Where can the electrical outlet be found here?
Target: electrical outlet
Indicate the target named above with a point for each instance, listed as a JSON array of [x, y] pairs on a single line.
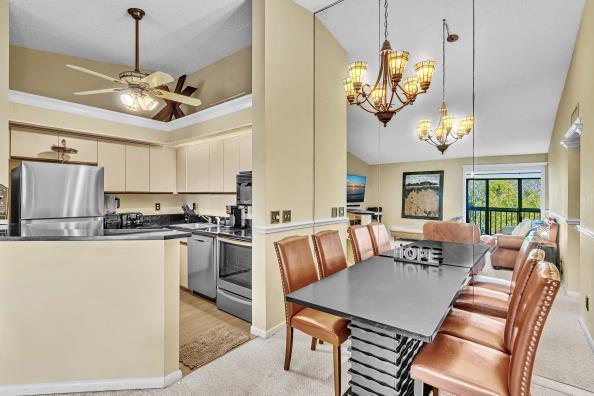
[[193, 205], [157, 206], [587, 303], [334, 212], [274, 216], [286, 216], [341, 211]]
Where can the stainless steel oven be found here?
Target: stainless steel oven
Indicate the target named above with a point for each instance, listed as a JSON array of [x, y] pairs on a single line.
[[234, 285]]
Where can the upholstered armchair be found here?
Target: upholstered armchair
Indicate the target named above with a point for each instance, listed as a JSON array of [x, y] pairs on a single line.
[[508, 246]]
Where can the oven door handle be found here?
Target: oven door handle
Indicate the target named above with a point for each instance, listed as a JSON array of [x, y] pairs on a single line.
[[235, 242], [230, 296]]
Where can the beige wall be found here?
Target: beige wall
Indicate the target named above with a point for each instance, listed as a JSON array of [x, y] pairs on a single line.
[[44, 73], [84, 311], [283, 138], [4, 51], [388, 192], [210, 204], [571, 185]]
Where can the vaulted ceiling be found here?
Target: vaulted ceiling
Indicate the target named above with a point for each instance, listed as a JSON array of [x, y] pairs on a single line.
[[523, 51]]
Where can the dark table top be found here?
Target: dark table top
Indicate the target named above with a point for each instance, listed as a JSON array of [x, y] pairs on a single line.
[[410, 299], [456, 254]]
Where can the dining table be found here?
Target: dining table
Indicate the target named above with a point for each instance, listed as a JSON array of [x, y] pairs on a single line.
[[394, 308]]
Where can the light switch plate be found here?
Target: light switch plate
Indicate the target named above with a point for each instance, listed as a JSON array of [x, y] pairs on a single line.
[[286, 216], [274, 216], [157, 206], [341, 211], [334, 212]]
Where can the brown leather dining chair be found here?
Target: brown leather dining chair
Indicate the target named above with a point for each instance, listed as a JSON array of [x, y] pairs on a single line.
[[451, 231], [499, 284], [297, 270], [464, 367], [361, 243], [486, 330], [380, 238], [492, 302], [329, 252]]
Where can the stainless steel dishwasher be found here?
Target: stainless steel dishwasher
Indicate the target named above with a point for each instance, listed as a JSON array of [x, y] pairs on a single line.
[[202, 271]]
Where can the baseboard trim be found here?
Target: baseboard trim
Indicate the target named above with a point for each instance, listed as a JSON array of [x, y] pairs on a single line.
[[586, 333], [266, 333], [559, 386], [91, 385]]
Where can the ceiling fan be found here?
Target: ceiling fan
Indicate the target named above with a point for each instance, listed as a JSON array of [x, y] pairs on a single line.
[[139, 90]]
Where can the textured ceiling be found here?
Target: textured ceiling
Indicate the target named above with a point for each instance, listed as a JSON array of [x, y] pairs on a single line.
[[523, 51], [177, 37]]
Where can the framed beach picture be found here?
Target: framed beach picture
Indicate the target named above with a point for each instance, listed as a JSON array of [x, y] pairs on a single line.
[[422, 195]]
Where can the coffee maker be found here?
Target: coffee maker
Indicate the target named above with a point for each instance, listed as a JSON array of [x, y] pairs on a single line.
[[239, 216]]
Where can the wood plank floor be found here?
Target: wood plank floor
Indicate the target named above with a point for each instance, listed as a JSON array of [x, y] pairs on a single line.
[[198, 315]]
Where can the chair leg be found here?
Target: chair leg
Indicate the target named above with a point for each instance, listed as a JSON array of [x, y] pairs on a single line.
[[435, 391], [288, 347], [313, 343], [321, 342], [336, 358]]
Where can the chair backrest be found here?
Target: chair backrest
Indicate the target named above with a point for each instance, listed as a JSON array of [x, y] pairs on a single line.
[[449, 231], [539, 295], [329, 252], [518, 289], [297, 268], [361, 242], [528, 245], [553, 233], [379, 238]]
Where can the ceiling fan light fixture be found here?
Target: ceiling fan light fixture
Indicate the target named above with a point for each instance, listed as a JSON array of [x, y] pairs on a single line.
[[129, 100]]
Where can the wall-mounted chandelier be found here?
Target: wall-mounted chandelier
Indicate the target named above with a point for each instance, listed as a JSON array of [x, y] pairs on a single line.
[[383, 98], [447, 131]]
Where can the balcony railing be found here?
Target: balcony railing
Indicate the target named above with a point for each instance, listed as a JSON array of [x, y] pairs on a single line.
[[492, 220]]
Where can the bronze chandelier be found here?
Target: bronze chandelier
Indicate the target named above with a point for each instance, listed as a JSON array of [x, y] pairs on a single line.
[[383, 98], [446, 133]]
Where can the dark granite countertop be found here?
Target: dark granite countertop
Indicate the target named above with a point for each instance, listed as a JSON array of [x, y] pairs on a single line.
[[13, 233], [240, 234]]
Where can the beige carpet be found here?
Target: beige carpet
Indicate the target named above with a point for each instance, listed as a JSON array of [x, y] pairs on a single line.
[[211, 345]]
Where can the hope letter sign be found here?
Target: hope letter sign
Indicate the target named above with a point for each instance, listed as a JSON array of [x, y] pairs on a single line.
[[418, 255]]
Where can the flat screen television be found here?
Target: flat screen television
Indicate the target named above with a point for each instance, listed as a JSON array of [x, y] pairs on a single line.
[[356, 188]]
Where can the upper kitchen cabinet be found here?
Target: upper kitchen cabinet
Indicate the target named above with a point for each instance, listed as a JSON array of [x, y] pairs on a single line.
[[32, 144], [137, 168], [215, 171], [162, 169], [198, 164], [230, 163], [181, 169], [245, 153], [86, 148], [112, 157]]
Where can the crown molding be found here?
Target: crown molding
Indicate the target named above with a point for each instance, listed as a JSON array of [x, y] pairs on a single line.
[[44, 102]]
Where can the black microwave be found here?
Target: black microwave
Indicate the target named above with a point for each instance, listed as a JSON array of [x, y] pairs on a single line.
[[244, 188]]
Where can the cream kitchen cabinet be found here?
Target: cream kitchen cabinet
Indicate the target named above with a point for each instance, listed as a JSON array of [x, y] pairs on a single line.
[[32, 144], [137, 168], [86, 147], [181, 169], [215, 169], [112, 157], [183, 264], [198, 167], [230, 163], [245, 153], [162, 169]]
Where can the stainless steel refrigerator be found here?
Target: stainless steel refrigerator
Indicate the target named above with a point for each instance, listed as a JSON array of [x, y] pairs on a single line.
[[50, 199]]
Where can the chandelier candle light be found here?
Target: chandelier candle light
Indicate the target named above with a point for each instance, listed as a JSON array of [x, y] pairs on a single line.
[[383, 99], [446, 133]]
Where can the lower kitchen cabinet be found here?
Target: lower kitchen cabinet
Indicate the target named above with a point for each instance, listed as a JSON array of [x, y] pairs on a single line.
[[183, 264]]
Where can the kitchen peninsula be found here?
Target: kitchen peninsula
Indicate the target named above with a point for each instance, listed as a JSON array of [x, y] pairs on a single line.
[[91, 311]]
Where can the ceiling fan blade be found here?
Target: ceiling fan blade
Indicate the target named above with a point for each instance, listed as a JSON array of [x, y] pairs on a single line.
[[177, 98], [99, 91], [180, 83], [157, 78], [93, 73]]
